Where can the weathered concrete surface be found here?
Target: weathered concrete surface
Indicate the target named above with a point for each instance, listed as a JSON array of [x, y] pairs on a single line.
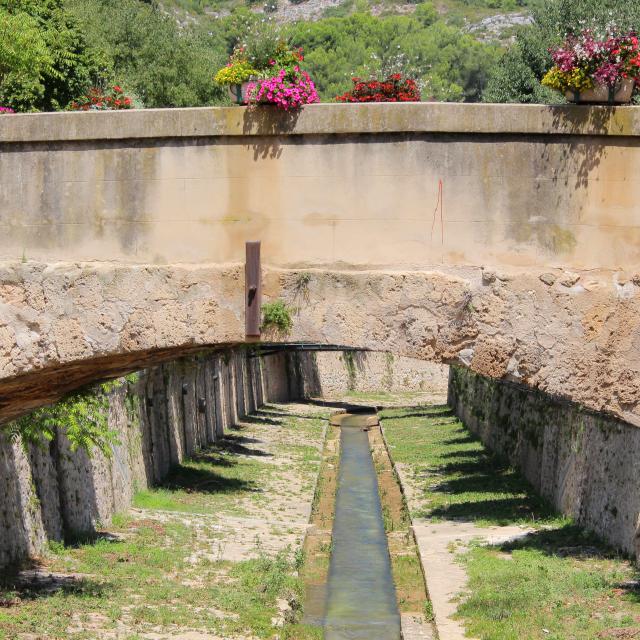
[[578, 338], [82, 316], [332, 185], [173, 410], [586, 465], [322, 119], [124, 235], [570, 334], [335, 373]]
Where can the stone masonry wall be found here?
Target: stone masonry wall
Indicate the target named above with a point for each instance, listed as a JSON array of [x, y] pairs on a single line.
[[172, 410], [587, 465], [335, 373]]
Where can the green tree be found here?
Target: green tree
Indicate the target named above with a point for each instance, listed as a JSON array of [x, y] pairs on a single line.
[[516, 78], [63, 66], [23, 51], [449, 64], [150, 54]]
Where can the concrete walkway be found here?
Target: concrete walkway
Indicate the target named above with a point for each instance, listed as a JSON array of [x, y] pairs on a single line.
[[438, 544]]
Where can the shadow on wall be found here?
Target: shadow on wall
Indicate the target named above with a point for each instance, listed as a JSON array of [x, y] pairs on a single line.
[[303, 375], [574, 162], [48, 493], [17, 536], [582, 157], [76, 474], [160, 416], [268, 122], [585, 464]]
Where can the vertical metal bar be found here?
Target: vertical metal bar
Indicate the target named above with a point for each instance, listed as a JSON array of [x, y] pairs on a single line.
[[253, 290]]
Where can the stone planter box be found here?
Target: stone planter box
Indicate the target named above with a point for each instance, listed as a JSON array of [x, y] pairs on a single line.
[[602, 93]]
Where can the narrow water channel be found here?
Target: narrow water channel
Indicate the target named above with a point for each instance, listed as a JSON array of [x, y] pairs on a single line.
[[361, 596]]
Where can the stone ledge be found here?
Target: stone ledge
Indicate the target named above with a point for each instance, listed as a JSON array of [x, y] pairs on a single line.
[[323, 119]]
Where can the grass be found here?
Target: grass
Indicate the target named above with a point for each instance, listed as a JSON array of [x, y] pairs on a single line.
[[143, 575], [212, 481], [405, 564], [457, 477], [132, 582], [382, 397], [559, 582]]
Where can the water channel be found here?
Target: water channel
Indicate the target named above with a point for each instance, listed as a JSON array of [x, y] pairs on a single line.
[[361, 596]]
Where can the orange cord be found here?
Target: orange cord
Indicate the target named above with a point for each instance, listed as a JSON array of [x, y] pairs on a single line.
[[439, 204]]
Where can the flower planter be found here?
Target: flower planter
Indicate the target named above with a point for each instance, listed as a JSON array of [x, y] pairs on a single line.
[[238, 92], [602, 93]]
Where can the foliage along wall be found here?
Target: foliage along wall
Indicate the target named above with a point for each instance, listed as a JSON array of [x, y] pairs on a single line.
[[49, 491]]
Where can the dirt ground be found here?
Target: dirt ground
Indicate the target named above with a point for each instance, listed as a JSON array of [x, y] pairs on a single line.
[[185, 563]]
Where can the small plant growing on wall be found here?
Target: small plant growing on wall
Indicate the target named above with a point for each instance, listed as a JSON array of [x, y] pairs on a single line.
[[301, 290], [276, 316]]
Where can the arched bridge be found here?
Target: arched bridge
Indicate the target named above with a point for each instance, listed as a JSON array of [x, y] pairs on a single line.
[[504, 238]]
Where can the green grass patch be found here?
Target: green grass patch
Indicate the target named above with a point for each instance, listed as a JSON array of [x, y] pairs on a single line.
[[132, 580], [161, 575], [214, 481], [559, 584], [385, 397], [456, 476]]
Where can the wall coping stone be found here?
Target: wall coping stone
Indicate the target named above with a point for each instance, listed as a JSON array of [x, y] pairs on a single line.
[[323, 119]]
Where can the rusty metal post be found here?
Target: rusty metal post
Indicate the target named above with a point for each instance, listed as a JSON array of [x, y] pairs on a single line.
[[253, 290]]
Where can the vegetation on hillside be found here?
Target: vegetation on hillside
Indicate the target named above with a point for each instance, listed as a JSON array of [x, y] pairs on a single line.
[[455, 10], [54, 51], [147, 52], [448, 64], [74, 45], [45, 59]]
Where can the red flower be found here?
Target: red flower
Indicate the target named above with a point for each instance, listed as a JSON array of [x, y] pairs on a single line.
[[394, 88]]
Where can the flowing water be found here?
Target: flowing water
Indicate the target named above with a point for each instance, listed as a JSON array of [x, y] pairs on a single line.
[[360, 596]]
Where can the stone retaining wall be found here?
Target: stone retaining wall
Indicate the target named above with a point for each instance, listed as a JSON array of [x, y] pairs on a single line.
[[336, 373], [586, 464], [170, 412]]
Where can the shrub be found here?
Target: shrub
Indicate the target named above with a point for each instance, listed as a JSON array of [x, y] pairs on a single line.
[[45, 59], [277, 315], [394, 88], [83, 416]]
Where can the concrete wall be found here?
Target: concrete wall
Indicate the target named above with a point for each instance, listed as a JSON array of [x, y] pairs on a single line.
[[529, 272], [587, 465], [523, 185], [171, 412], [336, 373]]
